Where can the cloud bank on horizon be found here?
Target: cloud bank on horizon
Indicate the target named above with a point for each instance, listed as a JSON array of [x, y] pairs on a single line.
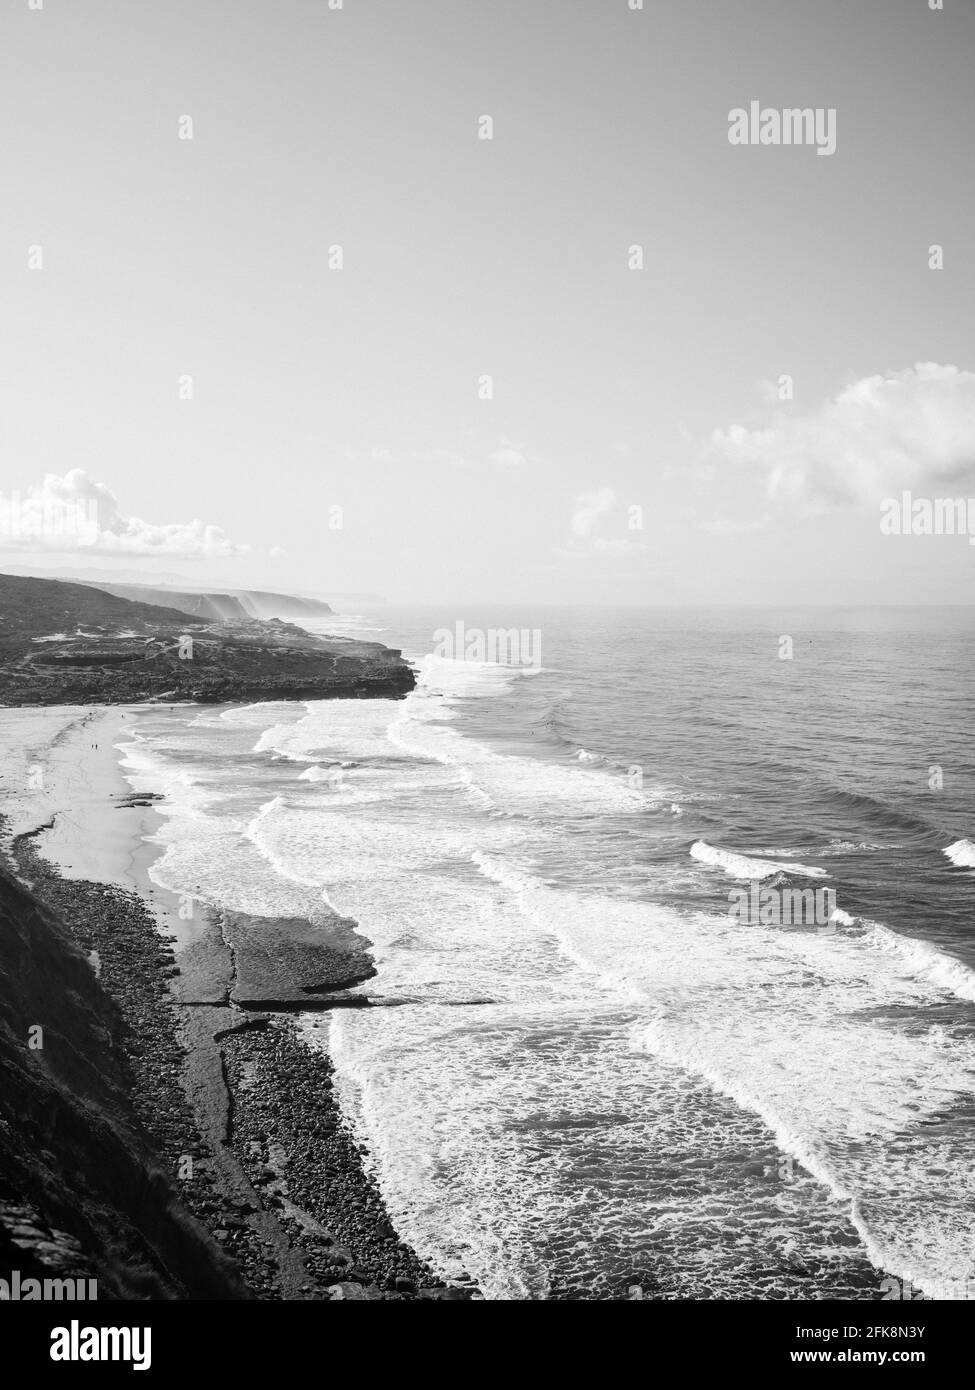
[[73, 513], [908, 429]]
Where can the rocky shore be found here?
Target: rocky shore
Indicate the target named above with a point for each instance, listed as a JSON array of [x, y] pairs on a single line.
[[64, 644], [289, 1137], [84, 1193], [239, 1109]]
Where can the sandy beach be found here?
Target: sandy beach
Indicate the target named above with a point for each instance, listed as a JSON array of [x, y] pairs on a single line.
[[61, 782]]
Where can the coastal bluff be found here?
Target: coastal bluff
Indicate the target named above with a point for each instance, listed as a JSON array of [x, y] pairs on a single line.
[[226, 605], [82, 1192], [67, 643]]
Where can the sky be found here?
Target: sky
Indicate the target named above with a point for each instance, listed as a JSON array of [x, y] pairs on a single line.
[[487, 400]]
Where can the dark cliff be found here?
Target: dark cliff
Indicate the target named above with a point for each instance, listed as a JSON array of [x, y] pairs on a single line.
[[63, 643], [82, 1194]]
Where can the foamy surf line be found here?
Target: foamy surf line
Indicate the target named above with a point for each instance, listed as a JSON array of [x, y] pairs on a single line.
[[921, 959], [650, 1038], [509, 783], [255, 834], [746, 866], [961, 854], [924, 960]]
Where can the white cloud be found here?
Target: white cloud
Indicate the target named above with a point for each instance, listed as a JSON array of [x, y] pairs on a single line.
[[909, 429], [74, 513], [723, 526], [513, 453], [598, 545], [508, 456], [588, 507], [617, 547], [423, 458], [768, 390]]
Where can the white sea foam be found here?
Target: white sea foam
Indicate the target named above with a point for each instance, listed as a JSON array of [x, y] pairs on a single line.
[[853, 847], [854, 1128], [256, 716], [584, 756], [746, 866], [961, 854], [355, 727], [316, 773], [834, 848], [924, 960], [516, 785], [183, 785]]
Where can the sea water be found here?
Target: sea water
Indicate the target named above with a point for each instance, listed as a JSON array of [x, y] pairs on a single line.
[[588, 1074]]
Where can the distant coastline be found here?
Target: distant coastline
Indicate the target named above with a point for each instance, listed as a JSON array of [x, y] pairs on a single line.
[[68, 643]]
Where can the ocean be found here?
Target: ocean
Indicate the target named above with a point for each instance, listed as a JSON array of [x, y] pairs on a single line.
[[592, 1079]]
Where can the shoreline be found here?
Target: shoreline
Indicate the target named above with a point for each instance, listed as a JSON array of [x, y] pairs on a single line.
[[72, 795], [240, 1109]]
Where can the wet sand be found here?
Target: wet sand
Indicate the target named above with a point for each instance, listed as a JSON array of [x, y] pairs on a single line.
[[60, 771]]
